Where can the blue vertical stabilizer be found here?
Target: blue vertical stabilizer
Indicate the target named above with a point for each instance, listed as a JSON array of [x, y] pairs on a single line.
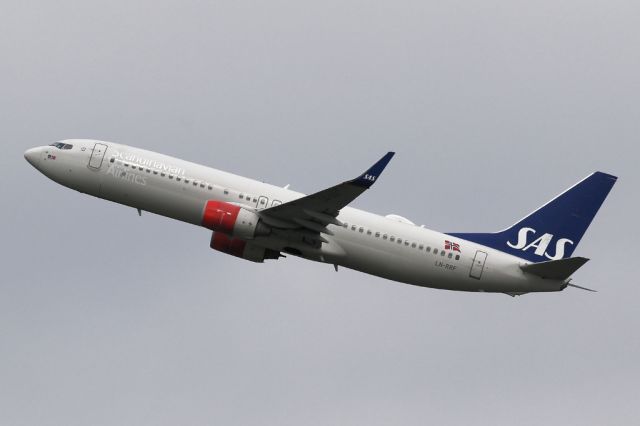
[[554, 230]]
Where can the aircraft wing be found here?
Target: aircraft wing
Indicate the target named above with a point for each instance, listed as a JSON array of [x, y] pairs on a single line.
[[314, 212]]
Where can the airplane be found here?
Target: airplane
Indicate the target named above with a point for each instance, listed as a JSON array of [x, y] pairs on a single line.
[[257, 221]]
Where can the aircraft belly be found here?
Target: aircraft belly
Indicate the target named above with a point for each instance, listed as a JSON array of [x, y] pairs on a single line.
[[405, 265], [399, 264], [155, 196]]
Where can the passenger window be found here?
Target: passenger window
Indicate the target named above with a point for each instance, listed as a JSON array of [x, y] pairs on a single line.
[[384, 237], [113, 160], [345, 225], [140, 168], [435, 251], [377, 235], [420, 247], [187, 181], [353, 227], [442, 253], [457, 257], [195, 183], [126, 164], [361, 229], [155, 172], [392, 239], [450, 255], [178, 179], [148, 170], [226, 192], [241, 196], [210, 187], [162, 174], [261, 201], [428, 249], [170, 176], [399, 240], [201, 185], [413, 245], [368, 232]]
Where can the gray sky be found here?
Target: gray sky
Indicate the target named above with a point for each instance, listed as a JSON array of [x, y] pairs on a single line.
[[492, 106]]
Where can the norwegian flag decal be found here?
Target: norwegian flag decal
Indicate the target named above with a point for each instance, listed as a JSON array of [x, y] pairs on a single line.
[[450, 245]]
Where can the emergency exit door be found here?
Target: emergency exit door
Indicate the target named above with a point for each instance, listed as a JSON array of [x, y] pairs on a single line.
[[478, 265]]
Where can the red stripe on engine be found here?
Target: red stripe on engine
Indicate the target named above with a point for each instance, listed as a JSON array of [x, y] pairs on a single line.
[[220, 216], [220, 242], [232, 246]]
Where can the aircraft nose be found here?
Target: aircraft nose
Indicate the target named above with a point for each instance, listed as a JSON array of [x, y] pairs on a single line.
[[32, 156]]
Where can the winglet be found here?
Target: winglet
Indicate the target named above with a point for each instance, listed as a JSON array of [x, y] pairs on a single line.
[[369, 177]]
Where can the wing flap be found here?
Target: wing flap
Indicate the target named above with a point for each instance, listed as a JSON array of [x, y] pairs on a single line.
[[314, 226]]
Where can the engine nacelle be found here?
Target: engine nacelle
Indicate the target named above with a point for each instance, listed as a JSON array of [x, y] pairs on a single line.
[[240, 248], [233, 220]]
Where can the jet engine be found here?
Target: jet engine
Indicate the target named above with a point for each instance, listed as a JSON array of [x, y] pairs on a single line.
[[240, 248], [233, 220]]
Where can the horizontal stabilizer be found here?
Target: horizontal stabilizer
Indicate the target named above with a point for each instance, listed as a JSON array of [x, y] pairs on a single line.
[[555, 269]]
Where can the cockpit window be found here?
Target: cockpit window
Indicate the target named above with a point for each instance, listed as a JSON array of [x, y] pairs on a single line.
[[61, 145]]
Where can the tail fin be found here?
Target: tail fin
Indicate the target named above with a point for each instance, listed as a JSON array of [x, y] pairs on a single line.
[[554, 230]]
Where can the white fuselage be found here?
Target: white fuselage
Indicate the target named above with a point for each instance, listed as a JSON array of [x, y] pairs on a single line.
[[382, 246]]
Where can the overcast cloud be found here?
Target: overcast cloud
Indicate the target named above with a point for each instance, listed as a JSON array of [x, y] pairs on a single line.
[[493, 107]]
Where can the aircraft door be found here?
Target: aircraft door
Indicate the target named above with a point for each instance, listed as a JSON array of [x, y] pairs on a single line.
[[263, 202], [97, 155], [478, 265]]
